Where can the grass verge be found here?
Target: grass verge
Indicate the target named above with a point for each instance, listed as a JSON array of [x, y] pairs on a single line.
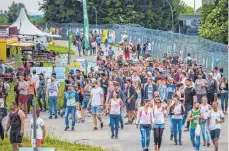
[[59, 49], [59, 145]]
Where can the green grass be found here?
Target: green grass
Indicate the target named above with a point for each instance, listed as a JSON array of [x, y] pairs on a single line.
[[116, 45], [59, 145], [59, 49]]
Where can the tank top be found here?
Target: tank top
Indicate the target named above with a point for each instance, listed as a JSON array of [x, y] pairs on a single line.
[[86, 95], [15, 121], [177, 109], [194, 123], [159, 116], [115, 107]]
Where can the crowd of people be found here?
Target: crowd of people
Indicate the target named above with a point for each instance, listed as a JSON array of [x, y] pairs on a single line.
[[133, 85]]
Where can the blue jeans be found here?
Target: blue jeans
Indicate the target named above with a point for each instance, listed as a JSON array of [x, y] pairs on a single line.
[[145, 133], [194, 139], [114, 123], [39, 96], [224, 100], [188, 108], [204, 130], [72, 110], [171, 125], [177, 125], [53, 102]]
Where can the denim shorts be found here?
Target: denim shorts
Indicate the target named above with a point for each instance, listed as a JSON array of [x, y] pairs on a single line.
[[84, 104], [159, 126], [96, 109], [215, 134]]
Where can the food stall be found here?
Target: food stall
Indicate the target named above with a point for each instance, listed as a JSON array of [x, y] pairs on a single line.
[[4, 49]]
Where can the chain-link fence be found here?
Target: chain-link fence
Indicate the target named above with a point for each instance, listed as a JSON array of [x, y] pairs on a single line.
[[206, 52]]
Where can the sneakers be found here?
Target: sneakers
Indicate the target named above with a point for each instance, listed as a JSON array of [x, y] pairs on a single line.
[[66, 128], [146, 149], [129, 122], [208, 144], [55, 116], [101, 125], [112, 136], [95, 129], [180, 143], [72, 129], [50, 117], [175, 143], [171, 137], [116, 137], [122, 126]]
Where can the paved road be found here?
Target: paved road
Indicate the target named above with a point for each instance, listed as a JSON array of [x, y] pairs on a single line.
[[129, 137]]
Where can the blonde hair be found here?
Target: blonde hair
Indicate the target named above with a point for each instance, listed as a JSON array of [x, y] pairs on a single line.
[[204, 98]]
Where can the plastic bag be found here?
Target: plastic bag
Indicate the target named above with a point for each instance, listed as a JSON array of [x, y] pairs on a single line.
[[198, 130], [78, 114]]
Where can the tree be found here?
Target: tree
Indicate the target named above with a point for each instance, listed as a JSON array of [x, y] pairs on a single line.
[[215, 24], [14, 11], [3, 20], [148, 13]]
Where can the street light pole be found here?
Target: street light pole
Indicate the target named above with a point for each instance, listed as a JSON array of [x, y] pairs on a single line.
[[96, 13], [172, 13]]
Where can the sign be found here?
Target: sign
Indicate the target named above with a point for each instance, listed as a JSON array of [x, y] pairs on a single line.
[[64, 59], [86, 25]]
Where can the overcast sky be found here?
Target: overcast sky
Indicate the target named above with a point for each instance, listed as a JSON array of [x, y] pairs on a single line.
[[32, 5]]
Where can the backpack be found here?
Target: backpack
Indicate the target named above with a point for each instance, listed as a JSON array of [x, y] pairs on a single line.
[[189, 61]]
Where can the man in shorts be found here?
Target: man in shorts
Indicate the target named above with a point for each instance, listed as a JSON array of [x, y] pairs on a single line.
[[130, 98], [16, 125], [215, 118], [96, 101], [23, 94]]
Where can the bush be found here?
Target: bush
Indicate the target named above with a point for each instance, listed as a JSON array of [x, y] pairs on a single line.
[[59, 145]]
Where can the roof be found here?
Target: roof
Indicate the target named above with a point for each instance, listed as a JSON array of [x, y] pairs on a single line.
[[20, 44], [25, 27], [189, 17]]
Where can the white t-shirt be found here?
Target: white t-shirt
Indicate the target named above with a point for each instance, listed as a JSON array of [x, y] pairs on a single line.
[[35, 77], [53, 88], [159, 115], [213, 116], [23, 85], [39, 124], [96, 96], [136, 78], [143, 117], [177, 110], [116, 107], [204, 109]]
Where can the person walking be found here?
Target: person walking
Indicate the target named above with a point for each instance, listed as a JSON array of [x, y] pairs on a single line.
[[86, 98], [52, 92], [212, 88], [189, 98], [41, 92], [194, 117], [115, 104], [15, 123], [159, 111], [96, 101], [145, 122], [31, 91], [72, 98], [40, 130], [176, 110], [223, 87], [130, 98], [204, 109], [23, 94], [215, 118], [200, 87]]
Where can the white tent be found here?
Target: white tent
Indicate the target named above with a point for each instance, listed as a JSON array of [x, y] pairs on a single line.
[[25, 27]]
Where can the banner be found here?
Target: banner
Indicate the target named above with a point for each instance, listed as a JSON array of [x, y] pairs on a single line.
[[105, 35], [86, 25]]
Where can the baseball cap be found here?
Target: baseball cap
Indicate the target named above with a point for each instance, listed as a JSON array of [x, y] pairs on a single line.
[[38, 111]]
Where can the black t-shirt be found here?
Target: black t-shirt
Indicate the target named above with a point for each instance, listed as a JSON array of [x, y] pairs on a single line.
[[104, 87], [189, 92]]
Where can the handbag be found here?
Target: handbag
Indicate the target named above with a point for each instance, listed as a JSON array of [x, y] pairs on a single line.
[[198, 130]]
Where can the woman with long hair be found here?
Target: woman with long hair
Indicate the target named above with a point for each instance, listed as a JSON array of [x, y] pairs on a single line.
[[86, 98], [176, 110], [205, 109], [139, 91], [126, 52], [115, 104], [223, 87], [145, 120], [159, 112]]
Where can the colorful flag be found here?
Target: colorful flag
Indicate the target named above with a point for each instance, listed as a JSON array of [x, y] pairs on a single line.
[[86, 25]]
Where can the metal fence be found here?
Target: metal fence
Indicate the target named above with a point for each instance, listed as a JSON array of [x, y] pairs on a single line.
[[207, 53]]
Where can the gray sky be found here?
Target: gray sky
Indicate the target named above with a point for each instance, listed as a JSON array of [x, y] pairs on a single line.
[[32, 5]]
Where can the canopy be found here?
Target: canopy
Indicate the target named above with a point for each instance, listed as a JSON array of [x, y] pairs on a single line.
[[25, 27], [20, 44]]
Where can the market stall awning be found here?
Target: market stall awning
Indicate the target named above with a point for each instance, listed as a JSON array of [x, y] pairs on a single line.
[[20, 44], [25, 27]]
